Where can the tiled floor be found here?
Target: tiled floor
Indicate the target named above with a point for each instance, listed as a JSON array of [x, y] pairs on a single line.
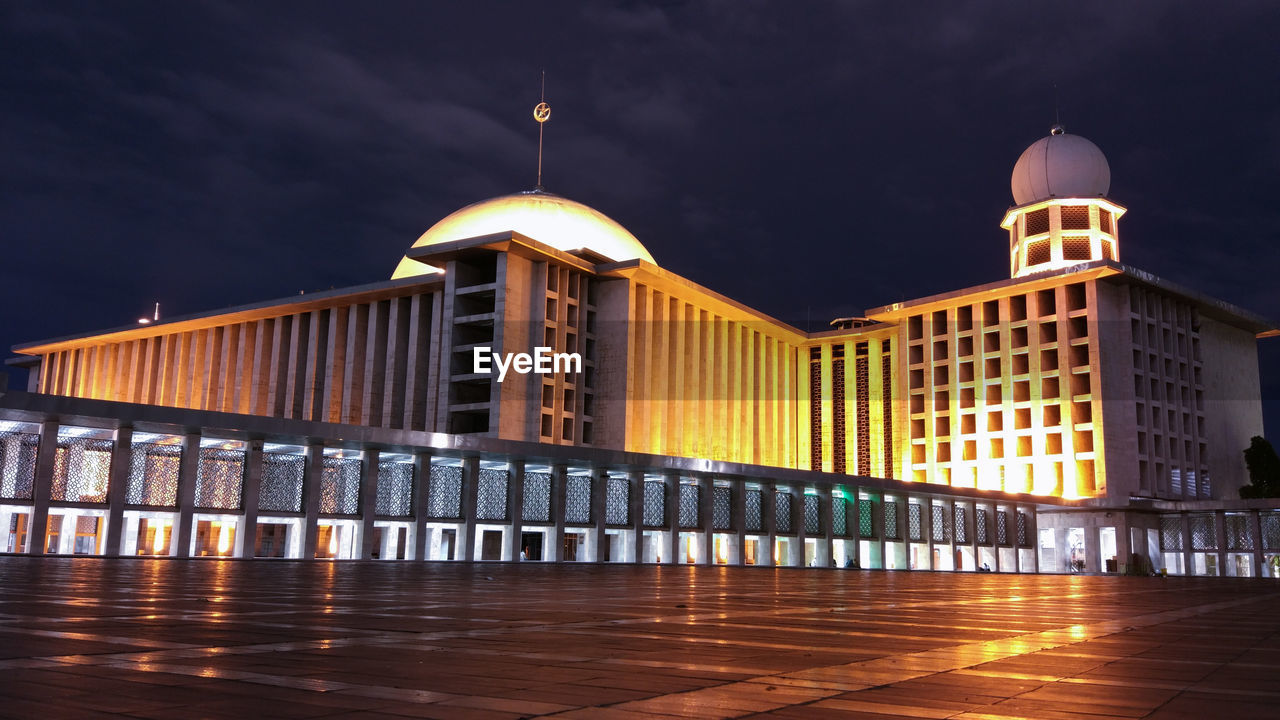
[[86, 638]]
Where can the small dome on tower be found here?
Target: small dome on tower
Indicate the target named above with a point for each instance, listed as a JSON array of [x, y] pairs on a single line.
[[557, 221], [1060, 166]]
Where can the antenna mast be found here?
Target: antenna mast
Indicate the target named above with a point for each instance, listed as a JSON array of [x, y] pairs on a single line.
[[541, 114]]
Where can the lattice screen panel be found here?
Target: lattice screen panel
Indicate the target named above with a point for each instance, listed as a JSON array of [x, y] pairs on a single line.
[[444, 493], [812, 522], [340, 486], [153, 475], [938, 524], [537, 497], [866, 526], [282, 480], [219, 478], [1076, 248], [721, 508], [577, 499], [655, 509], [18, 464], [689, 497], [1171, 533], [1024, 537], [754, 519], [891, 531], [1002, 527], [839, 517], [915, 523], [395, 489], [617, 501], [961, 525], [491, 494], [1239, 532], [81, 469], [1204, 533], [980, 530], [782, 511]]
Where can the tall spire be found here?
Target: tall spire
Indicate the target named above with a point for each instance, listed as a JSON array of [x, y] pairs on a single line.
[[541, 114]]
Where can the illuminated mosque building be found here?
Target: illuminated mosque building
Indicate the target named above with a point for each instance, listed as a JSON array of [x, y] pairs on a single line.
[[1081, 414]]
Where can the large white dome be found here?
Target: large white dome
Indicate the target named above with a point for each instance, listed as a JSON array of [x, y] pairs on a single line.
[[1060, 166], [556, 221]]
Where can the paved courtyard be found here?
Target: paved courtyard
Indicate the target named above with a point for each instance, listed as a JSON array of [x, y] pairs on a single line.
[[88, 638]]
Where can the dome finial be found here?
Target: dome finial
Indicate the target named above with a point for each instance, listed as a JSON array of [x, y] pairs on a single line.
[[541, 114], [1057, 129]]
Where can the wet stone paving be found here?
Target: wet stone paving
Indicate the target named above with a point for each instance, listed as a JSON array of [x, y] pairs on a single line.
[[91, 638]]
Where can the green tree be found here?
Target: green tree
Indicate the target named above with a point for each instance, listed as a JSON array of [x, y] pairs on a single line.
[[1264, 470]]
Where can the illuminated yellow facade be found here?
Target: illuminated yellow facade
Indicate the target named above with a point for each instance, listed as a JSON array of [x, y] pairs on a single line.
[[1078, 377]]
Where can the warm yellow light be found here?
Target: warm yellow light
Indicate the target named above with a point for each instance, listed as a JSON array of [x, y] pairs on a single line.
[[333, 540], [224, 538], [158, 543]]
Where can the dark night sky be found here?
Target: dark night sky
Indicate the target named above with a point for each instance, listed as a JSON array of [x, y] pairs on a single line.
[[810, 160]]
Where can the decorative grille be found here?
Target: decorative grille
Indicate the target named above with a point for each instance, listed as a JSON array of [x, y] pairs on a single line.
[[1104, 220], [282, 479], [219, 478], [689, 506], [1171, 533], [491, 495], [1075, 217], [577, 499], [1204, 535], [961, 527], [938, 524], [980, 527], [340, 486], [839, 519], [837, 412], [721, 508], [1075, 248], [1270, 522], [815, 415], [1024, 539], [754, 519], [18, 464], [863, 410], [812, 523], [1002, 527], [537, 497], [655, 508], [1037, 252], [886, 393], [1038, 221], [1239, 532], [866, 527], [81, 468], [1107, 252], [395, 489], [782, 511], [444, 494], [891, 520], [617, 501], [153, 475], [914, 532]]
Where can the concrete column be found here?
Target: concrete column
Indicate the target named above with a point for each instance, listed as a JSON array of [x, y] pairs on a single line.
[[559, 476], [1187, 567], [798, 527], [1220, 531], [599, 497], [46, 454], [671, 486], [706, 520], [470, 486], [187, 469], [635, 512], [769, 518], [826, 526], [368, 501], [118, 488], [1123, 552], [421, 485], [247, 538], [877, 529], [738, 521], [1255, 531], [311, 499], [515, 507]]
